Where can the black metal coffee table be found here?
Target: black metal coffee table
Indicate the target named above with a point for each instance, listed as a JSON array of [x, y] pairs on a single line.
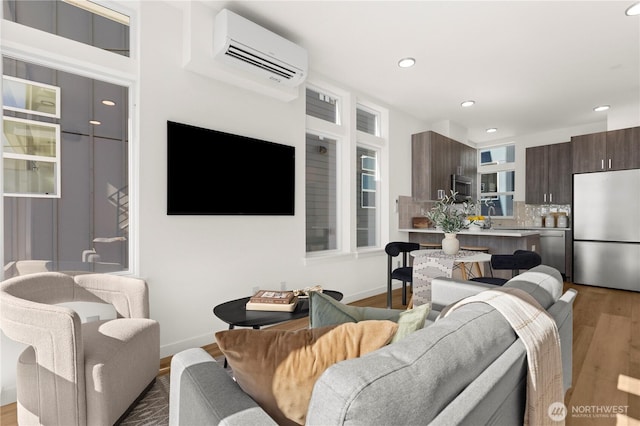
[[235, 314]]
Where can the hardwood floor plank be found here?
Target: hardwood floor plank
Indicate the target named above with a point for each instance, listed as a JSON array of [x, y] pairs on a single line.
[[582, 337], [596, 387]]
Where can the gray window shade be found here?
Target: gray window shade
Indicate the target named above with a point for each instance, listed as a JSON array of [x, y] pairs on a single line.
[[322, 106], [366, 122]]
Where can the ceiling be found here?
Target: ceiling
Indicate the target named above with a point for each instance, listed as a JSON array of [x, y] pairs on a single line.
[[531, 66]]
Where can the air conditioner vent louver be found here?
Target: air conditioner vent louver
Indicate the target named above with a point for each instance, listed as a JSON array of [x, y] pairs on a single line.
[[243, 44], [250, 58]]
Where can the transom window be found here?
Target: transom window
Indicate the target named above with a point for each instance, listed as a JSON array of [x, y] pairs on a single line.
[[323, 105], [367, 120], [80, 20]]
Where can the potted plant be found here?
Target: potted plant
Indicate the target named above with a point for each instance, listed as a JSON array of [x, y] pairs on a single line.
[[450, 219]]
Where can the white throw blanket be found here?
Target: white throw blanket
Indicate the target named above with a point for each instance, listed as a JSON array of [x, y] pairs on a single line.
[[539, 334]]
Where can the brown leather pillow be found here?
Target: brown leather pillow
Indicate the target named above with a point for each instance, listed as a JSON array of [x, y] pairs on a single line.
[[278, 368]]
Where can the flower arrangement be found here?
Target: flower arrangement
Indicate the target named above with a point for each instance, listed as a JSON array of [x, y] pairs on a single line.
[[446, 216], [452, 219]]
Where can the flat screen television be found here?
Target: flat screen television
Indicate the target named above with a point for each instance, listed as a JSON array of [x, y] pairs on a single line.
[[216, 173]]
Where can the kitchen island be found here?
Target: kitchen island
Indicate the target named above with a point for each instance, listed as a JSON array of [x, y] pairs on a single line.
[[499, 241]]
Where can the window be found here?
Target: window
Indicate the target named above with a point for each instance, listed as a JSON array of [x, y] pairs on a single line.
[[323, 106], [83, 21], [321, 193], [31, 152], [367, 120], [343, 171], [66, 180], [30, 97], [497, 180], [367, 202]]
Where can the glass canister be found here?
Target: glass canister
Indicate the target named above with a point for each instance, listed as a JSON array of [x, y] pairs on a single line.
[[549, 221], [563, 221]]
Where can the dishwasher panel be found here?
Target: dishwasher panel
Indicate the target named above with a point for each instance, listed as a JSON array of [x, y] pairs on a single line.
[[552, 249]]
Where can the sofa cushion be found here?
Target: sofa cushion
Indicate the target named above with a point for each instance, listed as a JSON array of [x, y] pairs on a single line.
[[278, 368], [324, 311]]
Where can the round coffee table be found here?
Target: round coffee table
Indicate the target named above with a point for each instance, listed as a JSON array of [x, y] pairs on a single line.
[[235, 314]]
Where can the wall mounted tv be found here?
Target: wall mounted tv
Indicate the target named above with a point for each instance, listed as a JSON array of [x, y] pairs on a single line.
[[215, 173]]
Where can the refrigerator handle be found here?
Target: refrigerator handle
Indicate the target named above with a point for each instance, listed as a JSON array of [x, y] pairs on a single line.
[[602, 164], [609, 162]]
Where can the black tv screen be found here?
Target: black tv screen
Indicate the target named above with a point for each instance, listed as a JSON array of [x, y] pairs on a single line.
[[215, 173]]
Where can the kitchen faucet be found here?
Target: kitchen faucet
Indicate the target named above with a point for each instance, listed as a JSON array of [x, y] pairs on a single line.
[[489, 210]]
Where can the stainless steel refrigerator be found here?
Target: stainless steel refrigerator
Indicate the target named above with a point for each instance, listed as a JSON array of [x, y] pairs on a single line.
[[606, 229]]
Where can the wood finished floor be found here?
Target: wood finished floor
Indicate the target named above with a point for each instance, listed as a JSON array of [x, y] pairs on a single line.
[[606, 357]]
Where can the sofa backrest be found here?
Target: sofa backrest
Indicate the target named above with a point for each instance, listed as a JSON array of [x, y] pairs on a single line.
[[543, 282], [466, 368], [411, 381]]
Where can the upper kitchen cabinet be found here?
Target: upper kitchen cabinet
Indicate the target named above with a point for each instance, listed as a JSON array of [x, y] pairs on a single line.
[[613, 150], [548, 174], [434, 159]]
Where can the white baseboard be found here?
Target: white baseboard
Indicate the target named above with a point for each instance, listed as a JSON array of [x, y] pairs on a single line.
[[192, 342], [8, 395]]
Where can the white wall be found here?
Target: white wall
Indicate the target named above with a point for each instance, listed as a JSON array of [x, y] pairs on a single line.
[[193, 263]]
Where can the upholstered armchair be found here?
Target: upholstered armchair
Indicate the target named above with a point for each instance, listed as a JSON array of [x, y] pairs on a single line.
[[74, 373]]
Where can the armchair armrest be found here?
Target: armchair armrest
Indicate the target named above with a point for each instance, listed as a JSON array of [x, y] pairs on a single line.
[[128, 295]]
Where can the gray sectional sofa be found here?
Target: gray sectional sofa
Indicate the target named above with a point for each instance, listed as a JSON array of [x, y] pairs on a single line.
[[468, 368]]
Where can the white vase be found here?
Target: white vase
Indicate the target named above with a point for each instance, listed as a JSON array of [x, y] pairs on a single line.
[[450, 244]]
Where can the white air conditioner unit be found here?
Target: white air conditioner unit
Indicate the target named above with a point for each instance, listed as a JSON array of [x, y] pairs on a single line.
[[244, 44]]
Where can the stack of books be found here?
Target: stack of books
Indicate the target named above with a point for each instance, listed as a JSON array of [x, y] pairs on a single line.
[[271, 300]]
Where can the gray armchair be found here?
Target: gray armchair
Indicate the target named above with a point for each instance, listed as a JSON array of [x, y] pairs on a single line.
[[74, 373]]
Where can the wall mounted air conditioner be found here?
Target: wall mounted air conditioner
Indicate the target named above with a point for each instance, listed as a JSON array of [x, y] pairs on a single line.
[[248, 46]]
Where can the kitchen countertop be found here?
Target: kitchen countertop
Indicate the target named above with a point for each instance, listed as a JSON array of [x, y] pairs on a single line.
[[485, 232], [530, 228]]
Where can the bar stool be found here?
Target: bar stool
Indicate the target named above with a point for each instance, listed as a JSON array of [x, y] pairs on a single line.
[[520, 259], [476, 265], [431, 246], [403, 273]]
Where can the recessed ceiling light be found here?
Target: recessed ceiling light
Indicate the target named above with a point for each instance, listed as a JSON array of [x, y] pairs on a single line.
[[108, 102], [467, 103], [601, 108], [95, 122], [633, 10], [406, 62], [492, 130]]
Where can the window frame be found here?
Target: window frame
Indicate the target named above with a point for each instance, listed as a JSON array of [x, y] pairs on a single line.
[[349, 138], [26, 82], [55, 159]]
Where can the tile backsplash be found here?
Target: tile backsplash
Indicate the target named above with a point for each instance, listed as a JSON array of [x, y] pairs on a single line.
[[524, 216]]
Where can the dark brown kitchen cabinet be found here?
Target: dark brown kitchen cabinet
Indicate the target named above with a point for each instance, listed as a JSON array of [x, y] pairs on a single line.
[[434, 159], [623, 149], [603, 151], [548, 174]]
